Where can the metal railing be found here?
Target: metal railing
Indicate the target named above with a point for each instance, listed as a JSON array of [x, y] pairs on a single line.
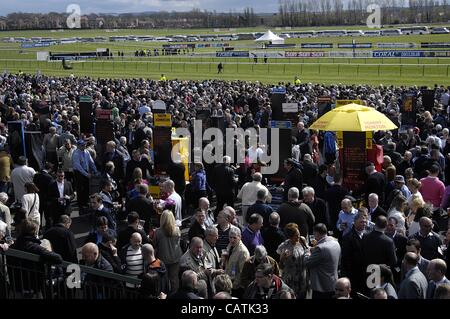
[[25, 276]]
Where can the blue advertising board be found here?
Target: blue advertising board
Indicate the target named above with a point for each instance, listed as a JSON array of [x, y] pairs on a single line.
[[29, 45], [356, 45]]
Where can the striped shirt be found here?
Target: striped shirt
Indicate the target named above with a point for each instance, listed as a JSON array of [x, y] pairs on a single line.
[[135, 262]]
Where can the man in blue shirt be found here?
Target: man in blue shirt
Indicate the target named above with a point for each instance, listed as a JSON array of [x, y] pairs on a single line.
[[83, 169]]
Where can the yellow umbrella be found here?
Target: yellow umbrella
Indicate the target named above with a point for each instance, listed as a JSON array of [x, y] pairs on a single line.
[[353, 118]]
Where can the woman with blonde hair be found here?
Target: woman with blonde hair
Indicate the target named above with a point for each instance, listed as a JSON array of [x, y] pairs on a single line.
[[414, 185], [397, 210], [167, 246]]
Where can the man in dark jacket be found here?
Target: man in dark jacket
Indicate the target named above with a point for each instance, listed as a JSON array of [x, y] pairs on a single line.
[[43, 180], [137, 161], [310, 169], [224, 184], [98, 210], [111, 155], [303, 139], [379, 248], [123, 237], [60, 195], [176, 171], [375, 183], [260, 207], [63, 240], [154, 264], [297, 212], [143, 206], [189, 280], [266, 284], [294, 177], [198, 227], [91, 257], [352, 260], [273, 236], [317, 206]]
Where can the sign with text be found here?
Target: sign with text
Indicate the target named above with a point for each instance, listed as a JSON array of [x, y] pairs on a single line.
[[316, 45], [354, 157], [303, 54], [232, 54], [408, 110], [290, 107], [162, 120]]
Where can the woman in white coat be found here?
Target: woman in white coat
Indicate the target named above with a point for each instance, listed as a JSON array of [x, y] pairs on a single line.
[[30, 203]]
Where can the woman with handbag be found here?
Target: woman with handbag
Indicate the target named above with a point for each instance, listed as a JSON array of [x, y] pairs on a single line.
[[30, 203]]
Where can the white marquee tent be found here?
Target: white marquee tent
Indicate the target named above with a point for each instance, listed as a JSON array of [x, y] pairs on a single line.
[[269, 36]]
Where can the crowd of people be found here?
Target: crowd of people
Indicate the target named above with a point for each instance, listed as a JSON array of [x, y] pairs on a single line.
[[220, 236]]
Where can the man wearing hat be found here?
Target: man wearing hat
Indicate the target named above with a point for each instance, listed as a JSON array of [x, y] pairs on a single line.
[[83, 169], [397, 183]]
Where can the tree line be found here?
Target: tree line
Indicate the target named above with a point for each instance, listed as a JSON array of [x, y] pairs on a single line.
[[291, 13]]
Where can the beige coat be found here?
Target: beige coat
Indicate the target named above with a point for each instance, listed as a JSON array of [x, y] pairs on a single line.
[[235, 263]]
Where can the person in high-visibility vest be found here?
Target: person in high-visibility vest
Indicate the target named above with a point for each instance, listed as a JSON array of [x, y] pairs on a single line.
[[163, 77], [297, 81]]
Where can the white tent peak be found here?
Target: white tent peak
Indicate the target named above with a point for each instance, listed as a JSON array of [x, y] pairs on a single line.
[[270, 36]]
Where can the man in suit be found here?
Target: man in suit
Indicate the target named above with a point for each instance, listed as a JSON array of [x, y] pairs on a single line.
[[123, 237], [303, 139], [414, 246], [98, 210], [375, 183], [273, 236], [310, 169], [176, 171], [43, 180], [143, 206], [375, 209], [317, 206], [293, 178], [379, 248], [60, 194], [224, 184], [429, 240], [352, 261], [323, 261], [400, 242], [294, 211], [62, 239], [415, 285], [436, 272], [198, 228], [260, 207]]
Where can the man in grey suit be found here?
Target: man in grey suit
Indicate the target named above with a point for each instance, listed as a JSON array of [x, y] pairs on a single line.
[[415, 285], [322, 262], [436, 272], [413, 246]]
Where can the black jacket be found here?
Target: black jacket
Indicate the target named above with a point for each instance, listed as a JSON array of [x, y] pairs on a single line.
[[53, 197], [123, 237], [352, 260], [273, 237], [379, 249], [223, 179], [375, 183], [107, 253], [29, 275], [334, 196], [320, 212], [294, 178], [184, 294], [299, 213], [196, 230], [260, 208], [310, 171], [63, 242], [42, 180], [143, 164], [176, 173], [379, 211], [144, 207]]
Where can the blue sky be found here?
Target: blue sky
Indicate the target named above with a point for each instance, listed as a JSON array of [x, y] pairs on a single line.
[[123, 6]]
